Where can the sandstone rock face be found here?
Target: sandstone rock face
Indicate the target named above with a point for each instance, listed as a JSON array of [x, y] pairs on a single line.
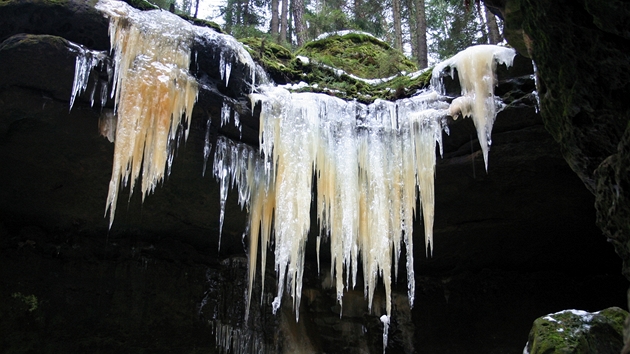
[[511, 245], [580, 49]]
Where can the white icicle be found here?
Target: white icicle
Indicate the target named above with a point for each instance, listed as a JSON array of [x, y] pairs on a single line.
[[85, 62], [476, 70], [370, 163]]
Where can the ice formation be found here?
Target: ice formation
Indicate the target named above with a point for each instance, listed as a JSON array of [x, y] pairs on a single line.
[[154, 94], [475, 68], [369, 164], [154, 91], [87, 60]]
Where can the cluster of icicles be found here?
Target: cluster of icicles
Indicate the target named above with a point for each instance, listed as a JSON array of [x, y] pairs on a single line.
[[370, 162]]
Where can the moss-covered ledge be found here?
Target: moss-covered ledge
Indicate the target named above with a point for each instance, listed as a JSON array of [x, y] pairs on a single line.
[[358, 54], [347, 66]]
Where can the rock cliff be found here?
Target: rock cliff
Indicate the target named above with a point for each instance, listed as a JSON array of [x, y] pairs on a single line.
[[511, 245]]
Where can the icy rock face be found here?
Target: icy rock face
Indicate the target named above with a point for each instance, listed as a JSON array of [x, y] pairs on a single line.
[[370, 163], [153, 90]]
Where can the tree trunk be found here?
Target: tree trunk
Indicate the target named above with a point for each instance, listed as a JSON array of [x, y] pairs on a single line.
[[284, 22], [411, 21], [196, 8], [229, 16], [494, 36], [274, 19], [245, 15], [397, 24], [298, 18], [357, 10], [421, 34]]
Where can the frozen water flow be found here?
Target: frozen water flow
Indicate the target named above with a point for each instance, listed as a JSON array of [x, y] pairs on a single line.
[[228, 70], [225, 113], [476, 70], [207, 146], [370, 163], [154, 93], [85, 62]]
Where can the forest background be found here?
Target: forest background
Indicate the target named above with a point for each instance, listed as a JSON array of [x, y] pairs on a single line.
[[426, 31]]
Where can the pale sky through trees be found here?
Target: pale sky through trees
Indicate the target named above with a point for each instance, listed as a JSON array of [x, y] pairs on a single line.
[[211, 10], [438, 35]]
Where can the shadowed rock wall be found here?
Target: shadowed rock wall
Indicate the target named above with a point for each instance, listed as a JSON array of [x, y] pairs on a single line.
[[511, 245]]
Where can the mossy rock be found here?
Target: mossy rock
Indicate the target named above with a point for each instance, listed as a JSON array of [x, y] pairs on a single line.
[[76, 21], [286, 68], [325, 80], [278, 61], [202, 23], [142, 4], [358, 54], [578, 332]]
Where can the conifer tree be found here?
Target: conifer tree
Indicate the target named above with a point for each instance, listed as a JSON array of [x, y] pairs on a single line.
[[298, 19], [274, 19], [421, 34], [397, 14]]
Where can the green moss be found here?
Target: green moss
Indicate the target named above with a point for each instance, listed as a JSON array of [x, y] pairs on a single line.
[[358, 54], [285, 67], [574, 332], [29, 300], [32, 40], [201, 23], [142, 4], [277, 60]]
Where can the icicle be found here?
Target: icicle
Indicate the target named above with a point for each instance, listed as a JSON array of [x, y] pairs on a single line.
[[154, 93], [228, 70], [385, 321], [107, 125], [221, 173], [476, 70], [85, 62], [370, 162], [225, 114], [207, 147], [537, 83], [222, 66]]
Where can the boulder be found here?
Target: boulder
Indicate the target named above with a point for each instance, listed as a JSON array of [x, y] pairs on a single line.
[[579, 332]]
